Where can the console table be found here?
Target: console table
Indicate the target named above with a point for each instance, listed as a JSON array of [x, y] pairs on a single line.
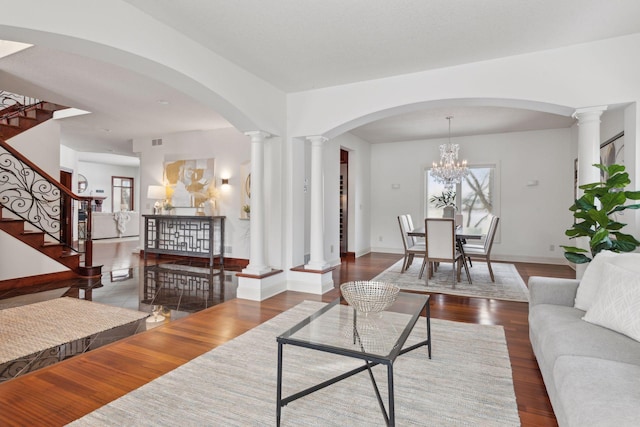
[[194, 236]]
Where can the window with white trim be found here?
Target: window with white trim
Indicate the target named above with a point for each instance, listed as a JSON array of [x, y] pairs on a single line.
[[475, 197]]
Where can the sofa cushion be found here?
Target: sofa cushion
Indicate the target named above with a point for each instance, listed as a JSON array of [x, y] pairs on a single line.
[[617, 305], [597, 392], [559, 330], [593, 275]]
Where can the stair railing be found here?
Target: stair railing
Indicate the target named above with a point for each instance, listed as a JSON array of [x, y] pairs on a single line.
[[34, 196], [14, 105]]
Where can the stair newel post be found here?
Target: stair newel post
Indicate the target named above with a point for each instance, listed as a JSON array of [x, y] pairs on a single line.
[[88, 244]]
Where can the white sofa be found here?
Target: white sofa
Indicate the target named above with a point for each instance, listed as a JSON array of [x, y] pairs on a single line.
[[585, 335], [107, 225]]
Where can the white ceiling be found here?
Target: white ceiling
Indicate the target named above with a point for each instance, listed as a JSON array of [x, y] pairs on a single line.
[[301, 44]]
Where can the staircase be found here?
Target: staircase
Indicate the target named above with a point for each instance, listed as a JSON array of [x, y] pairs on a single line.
[[36, 239], [31, 199], [17, 118]]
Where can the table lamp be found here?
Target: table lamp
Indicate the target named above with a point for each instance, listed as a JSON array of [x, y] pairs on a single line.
[[157, 193]]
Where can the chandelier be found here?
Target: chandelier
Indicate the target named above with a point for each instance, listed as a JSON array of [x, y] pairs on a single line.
[[449, 171]]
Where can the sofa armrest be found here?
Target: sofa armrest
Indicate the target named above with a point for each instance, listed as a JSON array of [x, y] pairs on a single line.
[[552, 290]]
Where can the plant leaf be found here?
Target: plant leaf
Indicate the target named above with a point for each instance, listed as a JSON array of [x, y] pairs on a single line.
[[632, 195], [573, 249], [576, 258], [613, 169]]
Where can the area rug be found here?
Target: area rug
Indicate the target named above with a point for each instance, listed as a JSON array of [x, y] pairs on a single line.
[[33, 328], [468, 381], [508, 286]]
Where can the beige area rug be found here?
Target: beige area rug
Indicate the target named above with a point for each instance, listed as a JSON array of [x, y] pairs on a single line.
[[33, 328], [508, 286], [468, 381]]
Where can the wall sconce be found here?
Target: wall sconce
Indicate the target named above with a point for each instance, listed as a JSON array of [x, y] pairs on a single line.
[[225, 181]]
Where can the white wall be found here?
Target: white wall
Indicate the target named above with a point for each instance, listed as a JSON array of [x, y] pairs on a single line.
[[531, 218], [99, 178], [21, 260], [230, 149], [41, 145]]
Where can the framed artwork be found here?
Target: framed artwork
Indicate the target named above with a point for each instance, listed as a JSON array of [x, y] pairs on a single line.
[[245, 196], [188, 181], [612, 152]]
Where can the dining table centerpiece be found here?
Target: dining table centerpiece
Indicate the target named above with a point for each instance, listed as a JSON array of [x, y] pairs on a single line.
[[446, 201]]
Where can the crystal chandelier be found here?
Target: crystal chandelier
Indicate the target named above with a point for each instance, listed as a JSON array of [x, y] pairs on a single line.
[[449, 171]]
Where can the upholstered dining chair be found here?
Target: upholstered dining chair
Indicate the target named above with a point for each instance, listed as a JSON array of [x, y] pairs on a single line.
[[411, 248], [416, 239], [483, 252], [441, 247]]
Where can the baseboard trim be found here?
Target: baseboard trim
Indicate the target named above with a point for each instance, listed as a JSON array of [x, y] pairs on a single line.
[[231, 263], [23, 282]]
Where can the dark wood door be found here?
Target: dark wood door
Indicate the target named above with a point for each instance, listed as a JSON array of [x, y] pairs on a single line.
[[344, 210]]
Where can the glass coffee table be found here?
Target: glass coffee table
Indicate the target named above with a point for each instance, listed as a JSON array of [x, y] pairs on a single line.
[[375, 338]]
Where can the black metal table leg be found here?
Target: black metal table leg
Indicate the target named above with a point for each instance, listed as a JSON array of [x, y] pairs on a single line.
[[428, 315], [279, 387], [391, 409]]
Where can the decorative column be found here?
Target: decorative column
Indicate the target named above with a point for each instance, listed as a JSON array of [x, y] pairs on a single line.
[[316, 260], [588, 155], [588, 143], [257, 259]]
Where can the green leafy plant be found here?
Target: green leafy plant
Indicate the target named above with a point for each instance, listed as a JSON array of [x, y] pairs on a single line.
[[447, 198], [246, 209], [594, 216]]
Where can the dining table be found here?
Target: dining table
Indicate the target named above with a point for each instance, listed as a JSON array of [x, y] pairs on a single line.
[[462, 235]]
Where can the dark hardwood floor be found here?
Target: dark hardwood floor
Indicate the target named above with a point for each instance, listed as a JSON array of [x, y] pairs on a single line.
[[70, 389]]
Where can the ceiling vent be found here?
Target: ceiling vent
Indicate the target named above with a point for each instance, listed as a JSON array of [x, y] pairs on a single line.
[[155, 142]]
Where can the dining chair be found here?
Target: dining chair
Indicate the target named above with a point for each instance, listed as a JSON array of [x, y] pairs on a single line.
[[411, 228], [483, 252], [441, 247], [411, 248]]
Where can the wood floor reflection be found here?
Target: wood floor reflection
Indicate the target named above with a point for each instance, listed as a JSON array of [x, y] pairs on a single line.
[[64, 392]]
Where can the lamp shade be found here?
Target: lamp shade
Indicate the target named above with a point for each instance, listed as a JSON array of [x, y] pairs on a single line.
[[156, 192]]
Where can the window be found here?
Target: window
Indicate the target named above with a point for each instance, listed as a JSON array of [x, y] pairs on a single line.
[[121, 194], [475, 197]]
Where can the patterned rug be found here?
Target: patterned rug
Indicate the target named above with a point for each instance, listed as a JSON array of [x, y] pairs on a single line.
[[508, 285], [468, 381], [34, 328]]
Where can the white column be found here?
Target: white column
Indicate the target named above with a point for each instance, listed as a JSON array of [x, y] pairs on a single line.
[[257, 259], [316, 260], [588, 155], [588, 144]]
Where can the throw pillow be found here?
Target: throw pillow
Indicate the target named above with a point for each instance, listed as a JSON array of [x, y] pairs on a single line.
[[590, 281], [593, 276], [617, 306]]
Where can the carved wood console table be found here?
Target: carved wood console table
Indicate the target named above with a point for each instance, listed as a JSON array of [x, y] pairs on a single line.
[[194, 236]]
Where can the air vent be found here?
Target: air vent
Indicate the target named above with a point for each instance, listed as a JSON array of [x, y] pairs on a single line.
[[155, 142]]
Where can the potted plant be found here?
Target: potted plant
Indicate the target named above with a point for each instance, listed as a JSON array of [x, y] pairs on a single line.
[[447, 201], [594, 216], [247, 210]]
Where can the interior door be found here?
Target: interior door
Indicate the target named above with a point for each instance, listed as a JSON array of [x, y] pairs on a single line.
[[344, 212]]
